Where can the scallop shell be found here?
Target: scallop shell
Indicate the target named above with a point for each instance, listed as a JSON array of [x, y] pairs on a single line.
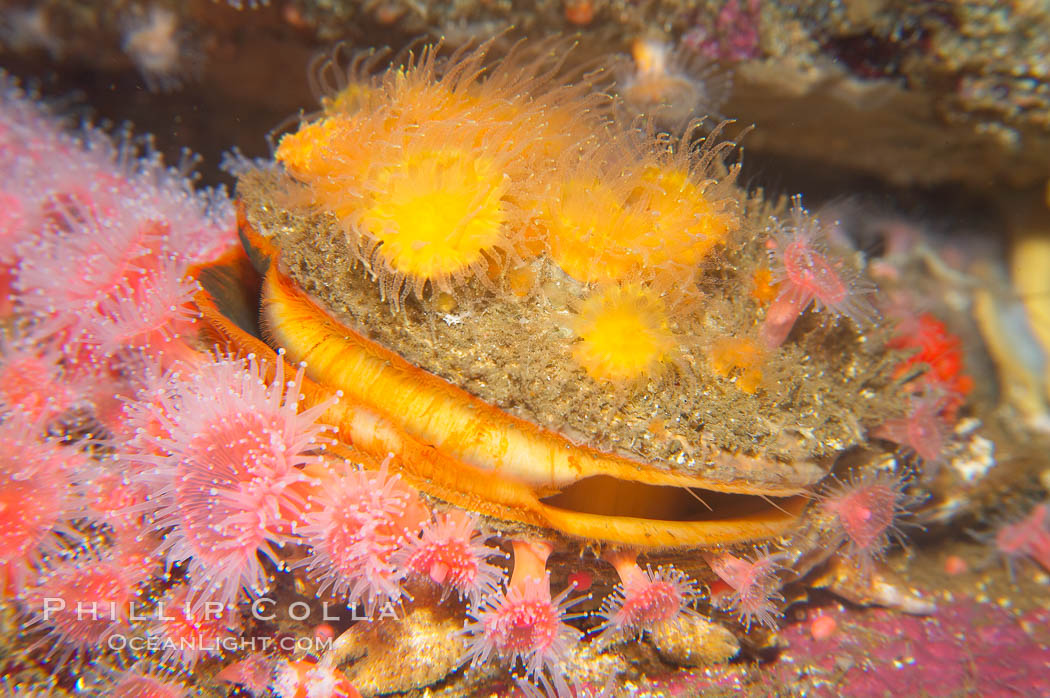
[[462, 449], [434, 253]]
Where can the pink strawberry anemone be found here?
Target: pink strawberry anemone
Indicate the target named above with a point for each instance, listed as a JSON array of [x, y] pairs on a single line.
[[357, 520], [451, 553], [227, 485], [753, 586], [37, 499], [524, 624], [866, 512], [807, 276], [644, 599]]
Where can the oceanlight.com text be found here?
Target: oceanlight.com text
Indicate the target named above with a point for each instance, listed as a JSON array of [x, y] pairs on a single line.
[[212, 645]]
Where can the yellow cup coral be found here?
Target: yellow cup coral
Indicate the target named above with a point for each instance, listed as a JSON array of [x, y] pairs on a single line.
[[435, 213], [344, 79], [306, 153], [738, 357], [624, 334], [435, 176], [446, 171], [593, 233], [685, 221], [624, 212]]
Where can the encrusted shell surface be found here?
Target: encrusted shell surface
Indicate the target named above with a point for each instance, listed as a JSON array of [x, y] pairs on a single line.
[[735, 468], [542, 316]]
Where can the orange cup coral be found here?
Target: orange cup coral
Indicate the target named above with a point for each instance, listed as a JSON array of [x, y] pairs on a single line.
[[624, 334], [626, 210], [433, 174], [441, 172]]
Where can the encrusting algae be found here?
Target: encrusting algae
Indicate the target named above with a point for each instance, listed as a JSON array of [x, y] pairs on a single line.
[[544, 318]]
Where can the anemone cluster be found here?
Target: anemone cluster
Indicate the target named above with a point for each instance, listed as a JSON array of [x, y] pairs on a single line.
[[444, 173]]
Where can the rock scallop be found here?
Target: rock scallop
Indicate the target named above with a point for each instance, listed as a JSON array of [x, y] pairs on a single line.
[[530, 331]]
